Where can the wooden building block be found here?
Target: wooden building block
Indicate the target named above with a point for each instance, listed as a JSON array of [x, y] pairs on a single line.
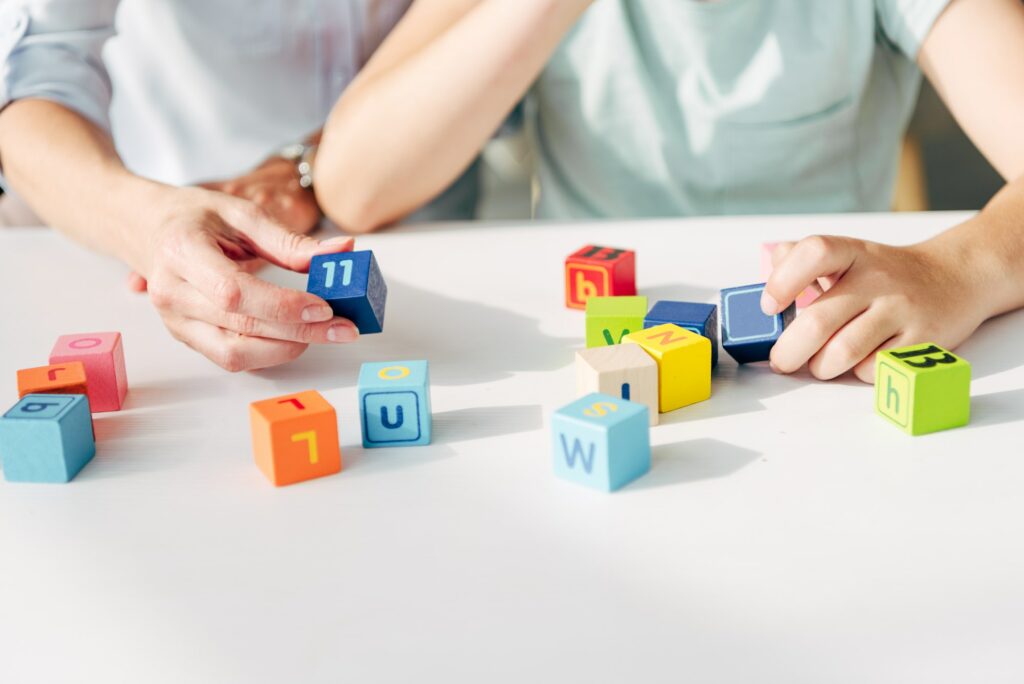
[[698, 318], [601, 441], [623, 370], [596, 271], [806, 298], [609, 319], [394, 403], [747, 334], [63, 378], [351, 282], [295, 437], [46, 438], [102, 354], [923, 388], [684, 364]]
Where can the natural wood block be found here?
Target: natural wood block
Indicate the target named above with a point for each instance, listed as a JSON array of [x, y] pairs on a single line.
[[623, 370], [923, 388], [295, 437], [684, 364]]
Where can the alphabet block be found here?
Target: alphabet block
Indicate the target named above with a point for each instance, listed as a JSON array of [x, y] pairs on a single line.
[[46, 438], [598, 271], [622, 370], [684, 364], [351, 282], [806, 298], [64, 378], [102, 354], [295, 437], [394, 403], [747, 334], [609, 319], [697, 318], [601, 441], [923, 388]]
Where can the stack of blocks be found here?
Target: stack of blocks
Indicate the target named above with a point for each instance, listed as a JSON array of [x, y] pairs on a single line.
[[596, 271], [394, 404], [923, 388], [701, 319], [295, 437], [684, 364], [351, 282]]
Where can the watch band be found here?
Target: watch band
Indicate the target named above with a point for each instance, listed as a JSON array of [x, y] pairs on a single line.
[[301, 154]]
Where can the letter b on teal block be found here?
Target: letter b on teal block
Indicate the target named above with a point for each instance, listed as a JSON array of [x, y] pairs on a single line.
[[394, 403]]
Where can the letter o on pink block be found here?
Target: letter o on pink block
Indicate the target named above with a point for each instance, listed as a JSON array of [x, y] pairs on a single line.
[[85, 343], [102, 354]]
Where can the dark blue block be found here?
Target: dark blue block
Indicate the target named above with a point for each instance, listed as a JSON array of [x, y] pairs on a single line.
[[46, 438], [352, 284], [747, 334], [698, 318]]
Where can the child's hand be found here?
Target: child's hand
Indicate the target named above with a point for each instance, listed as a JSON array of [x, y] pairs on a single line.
[[195, 267], [876, 297]]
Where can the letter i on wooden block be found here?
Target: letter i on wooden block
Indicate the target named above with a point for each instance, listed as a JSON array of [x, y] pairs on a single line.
[[596, 271], [609, 319], [351, 282], [684, 364], [295, 437], [46, 438], [394, 403], [623, 370], [102, 354], [601, 441], [923, 388], [747, 333], [806, 298], [62, 378], [697, 318]]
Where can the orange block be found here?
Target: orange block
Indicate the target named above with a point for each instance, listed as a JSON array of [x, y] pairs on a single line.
[[295, 437], [58, 378]]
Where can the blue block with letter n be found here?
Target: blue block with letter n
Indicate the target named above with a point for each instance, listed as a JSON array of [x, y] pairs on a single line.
[[352, 284], [747, 333], [394, 403], [46, 438], [601, 441], [701, 319]]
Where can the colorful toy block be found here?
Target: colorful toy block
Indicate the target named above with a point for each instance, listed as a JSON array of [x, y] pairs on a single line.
[[698, 318], [102, 354], [394, 403], [806, 298], [46, 438], [64, 378], [351, 282], [601, 441], [684, 364], [622, 370], [747, 334], [295, 437], [595, 271], [609, 319], [923, 388]]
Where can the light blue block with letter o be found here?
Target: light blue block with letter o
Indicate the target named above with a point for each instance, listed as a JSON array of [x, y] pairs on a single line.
[[46, 438], [394, 403], [601, 441]]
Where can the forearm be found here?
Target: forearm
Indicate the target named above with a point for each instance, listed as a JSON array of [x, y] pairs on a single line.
[[408, 126]]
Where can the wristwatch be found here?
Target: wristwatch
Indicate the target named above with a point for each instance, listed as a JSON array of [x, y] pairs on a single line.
[[302, 155]]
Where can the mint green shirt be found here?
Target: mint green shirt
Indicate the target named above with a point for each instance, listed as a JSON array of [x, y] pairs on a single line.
[[680, 107]]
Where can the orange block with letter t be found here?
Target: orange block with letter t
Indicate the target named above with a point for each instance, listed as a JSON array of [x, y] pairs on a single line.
[[295, 437], [596, 271]]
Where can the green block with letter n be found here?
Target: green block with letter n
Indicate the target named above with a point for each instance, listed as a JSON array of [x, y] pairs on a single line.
[[609, 319], [923, 388]]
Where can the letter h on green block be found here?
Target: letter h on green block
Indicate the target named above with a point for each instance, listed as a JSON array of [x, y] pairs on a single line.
[[923, 388], [609, 319], [601, 441], [394, 403]]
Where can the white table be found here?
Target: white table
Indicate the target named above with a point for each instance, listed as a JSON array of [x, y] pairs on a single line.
[[785, 533]]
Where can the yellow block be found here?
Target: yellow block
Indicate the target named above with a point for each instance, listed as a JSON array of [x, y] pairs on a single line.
[[684, 364]]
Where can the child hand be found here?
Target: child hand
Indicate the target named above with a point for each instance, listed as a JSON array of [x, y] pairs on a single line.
[[876, 297]]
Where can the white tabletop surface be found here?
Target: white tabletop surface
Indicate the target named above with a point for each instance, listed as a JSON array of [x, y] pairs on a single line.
[[785, 533]]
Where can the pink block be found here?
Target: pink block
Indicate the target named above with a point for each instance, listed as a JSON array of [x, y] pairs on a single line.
[[103, 357], [806, 297]]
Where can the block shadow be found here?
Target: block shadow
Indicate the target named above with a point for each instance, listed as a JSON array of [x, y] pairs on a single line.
[[995, 347], [736, 390], [694, 460], [481, 422], [358, 461], [997, 408]]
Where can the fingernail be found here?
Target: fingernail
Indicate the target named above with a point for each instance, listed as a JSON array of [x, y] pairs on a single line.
[[342, 333], [769, 306], [314, 314], [335, 241]]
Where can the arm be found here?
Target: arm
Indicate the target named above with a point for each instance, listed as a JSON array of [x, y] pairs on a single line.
[[428, 101], [941, 289]]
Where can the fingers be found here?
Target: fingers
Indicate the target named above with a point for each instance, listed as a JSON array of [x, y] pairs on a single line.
[[234, 352], [865, 370], [855, 342], [136, 283], [809, 259], [809, 332]]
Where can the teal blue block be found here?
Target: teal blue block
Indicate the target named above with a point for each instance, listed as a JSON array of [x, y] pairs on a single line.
[[394, 403], [46, 438], [601, 441]]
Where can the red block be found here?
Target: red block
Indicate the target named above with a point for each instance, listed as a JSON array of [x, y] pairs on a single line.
[[596, 271], [103, 358]]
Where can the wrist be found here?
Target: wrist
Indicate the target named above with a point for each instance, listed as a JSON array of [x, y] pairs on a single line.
[[141, 208]]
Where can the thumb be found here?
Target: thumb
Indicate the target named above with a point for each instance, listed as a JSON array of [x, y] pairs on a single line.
[[270, 240]]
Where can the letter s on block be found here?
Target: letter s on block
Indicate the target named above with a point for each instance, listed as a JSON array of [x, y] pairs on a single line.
[[600, 409]]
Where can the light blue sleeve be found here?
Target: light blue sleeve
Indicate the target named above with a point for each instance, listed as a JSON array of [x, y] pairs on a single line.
[[906, 23]]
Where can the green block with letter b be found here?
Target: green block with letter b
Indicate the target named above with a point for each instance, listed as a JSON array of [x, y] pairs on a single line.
[[609, 319], [923, 388]]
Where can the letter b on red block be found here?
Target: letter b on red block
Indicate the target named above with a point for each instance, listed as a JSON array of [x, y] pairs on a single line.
[[596, 271]]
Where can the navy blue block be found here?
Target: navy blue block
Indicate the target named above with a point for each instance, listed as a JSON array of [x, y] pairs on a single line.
[[46, 438], [352, 284], [698, 318], [747, 334]]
